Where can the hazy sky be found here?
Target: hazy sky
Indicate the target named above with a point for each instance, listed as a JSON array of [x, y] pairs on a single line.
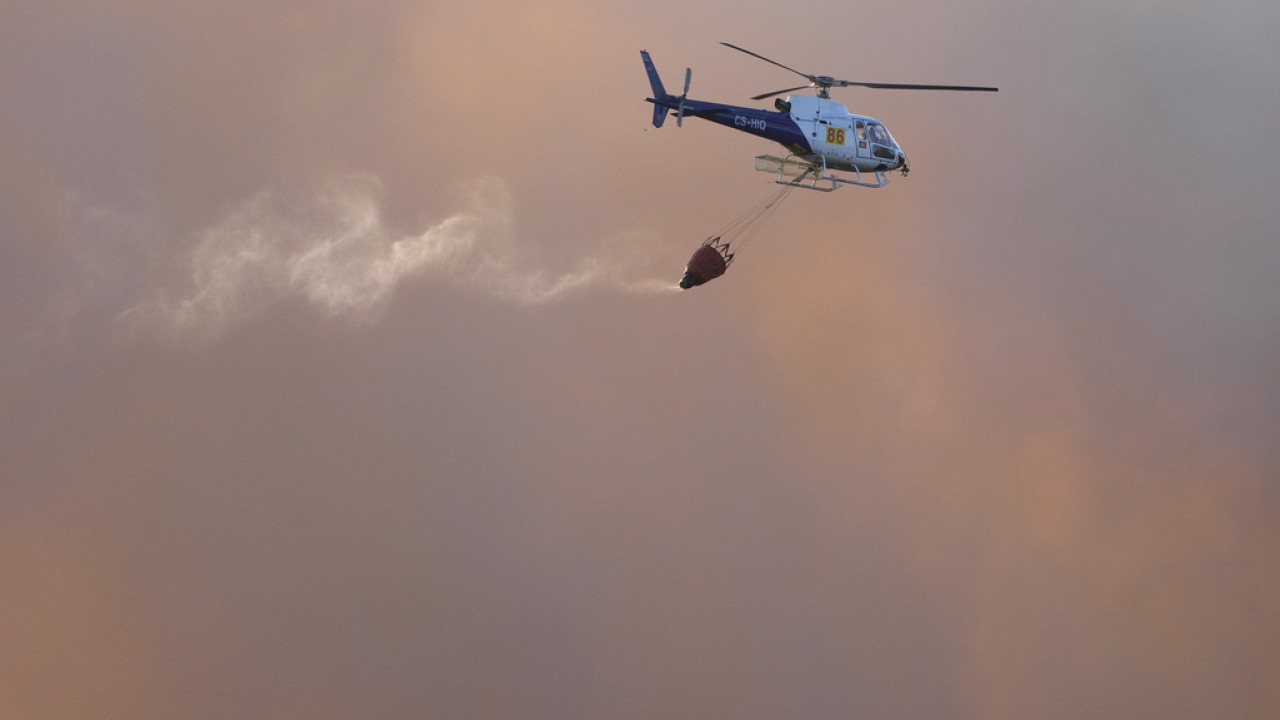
[[342, 376]]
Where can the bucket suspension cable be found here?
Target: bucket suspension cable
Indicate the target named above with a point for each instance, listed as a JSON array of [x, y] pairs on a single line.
[[745, 227], [714, 256]]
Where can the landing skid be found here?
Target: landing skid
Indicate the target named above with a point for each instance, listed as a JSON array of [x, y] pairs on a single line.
[[794, 172]]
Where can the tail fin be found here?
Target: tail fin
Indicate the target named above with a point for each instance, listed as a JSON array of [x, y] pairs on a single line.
[[659, 92], [662, 102]]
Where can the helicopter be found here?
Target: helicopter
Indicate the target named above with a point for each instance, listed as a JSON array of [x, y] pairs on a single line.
[[820, 134]]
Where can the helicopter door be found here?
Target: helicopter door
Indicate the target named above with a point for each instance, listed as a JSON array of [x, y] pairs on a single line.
[[860, 133], [813, 124]]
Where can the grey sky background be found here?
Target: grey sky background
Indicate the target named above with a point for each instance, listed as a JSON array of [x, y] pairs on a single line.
[[341, 374]]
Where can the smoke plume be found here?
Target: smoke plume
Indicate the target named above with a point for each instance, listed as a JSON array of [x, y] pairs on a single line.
[[336, 251]]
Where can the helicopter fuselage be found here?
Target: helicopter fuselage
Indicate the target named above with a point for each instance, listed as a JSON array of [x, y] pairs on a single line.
[[814, 129]]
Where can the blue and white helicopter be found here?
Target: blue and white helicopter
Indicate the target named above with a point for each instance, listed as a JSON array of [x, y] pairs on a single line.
[[819, 133]]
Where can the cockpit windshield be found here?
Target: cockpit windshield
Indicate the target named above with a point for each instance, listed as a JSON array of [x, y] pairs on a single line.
[[878, 134], [882, 146]]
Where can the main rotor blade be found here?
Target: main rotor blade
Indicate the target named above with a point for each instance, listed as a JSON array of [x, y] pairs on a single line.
[[905, 86], [824, 81], [779, 92], [775, 62]]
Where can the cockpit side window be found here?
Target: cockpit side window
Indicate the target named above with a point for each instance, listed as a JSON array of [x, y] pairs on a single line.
[[861, 128]]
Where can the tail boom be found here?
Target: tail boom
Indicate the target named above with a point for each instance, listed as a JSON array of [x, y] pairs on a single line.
[[770, 125]]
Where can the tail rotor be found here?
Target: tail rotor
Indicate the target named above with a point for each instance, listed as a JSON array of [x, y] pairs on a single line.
[[688, 75]]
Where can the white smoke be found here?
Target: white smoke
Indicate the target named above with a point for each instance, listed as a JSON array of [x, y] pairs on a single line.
[[335, 251]]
